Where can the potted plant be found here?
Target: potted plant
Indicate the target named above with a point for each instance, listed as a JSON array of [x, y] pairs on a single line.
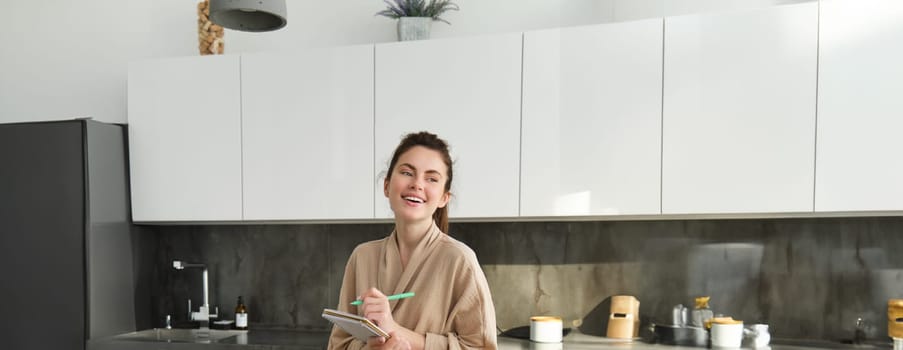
[[416, 16]]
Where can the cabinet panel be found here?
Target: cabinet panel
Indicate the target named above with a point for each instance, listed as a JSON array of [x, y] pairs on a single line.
[[592, 120], [739, 111], [468, 92], [185, 139], [308, 134], [859, 167]]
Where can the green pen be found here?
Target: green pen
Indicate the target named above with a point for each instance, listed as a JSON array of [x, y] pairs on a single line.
[[391, 297]]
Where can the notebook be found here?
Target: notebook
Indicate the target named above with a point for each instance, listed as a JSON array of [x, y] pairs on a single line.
[[361, 328]]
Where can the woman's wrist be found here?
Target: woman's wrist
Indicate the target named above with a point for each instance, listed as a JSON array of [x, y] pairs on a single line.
[[416, 340]]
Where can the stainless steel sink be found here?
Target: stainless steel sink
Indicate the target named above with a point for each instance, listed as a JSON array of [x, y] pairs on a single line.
[[179, 335]]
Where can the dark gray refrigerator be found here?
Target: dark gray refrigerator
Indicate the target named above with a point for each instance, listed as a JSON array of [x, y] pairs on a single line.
[[66, 242]]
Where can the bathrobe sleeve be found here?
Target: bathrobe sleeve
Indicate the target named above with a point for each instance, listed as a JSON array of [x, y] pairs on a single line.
[[472, 314]]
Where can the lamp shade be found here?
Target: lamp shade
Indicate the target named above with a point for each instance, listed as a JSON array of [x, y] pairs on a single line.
[[249, 15]]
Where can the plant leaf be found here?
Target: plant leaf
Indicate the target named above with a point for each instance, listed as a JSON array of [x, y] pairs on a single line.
[[418, 8]]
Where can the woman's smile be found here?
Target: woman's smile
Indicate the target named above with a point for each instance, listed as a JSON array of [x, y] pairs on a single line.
[[413, 200]]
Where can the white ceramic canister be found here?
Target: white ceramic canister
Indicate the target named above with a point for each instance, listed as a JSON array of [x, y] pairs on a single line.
[[545, 329], [727, 334]]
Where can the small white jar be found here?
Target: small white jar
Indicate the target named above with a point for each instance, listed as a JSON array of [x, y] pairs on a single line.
[[545, 329], [728, 334]]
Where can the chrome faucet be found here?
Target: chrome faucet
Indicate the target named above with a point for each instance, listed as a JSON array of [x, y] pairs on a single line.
[[859, 333], [203, 313]]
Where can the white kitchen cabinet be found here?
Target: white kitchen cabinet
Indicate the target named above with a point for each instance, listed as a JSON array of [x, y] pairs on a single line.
[[859, 165], [467, 91], [739, 111], [307, 131], [592, 120], [185, 139]]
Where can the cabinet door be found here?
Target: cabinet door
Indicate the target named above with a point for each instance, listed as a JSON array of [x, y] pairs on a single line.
[[739, 111], [185, 139], [859, 166], [307, 131], [468, 92], [592, 120]]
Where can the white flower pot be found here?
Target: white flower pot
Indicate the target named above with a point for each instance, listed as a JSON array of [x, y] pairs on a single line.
[[414, 28]]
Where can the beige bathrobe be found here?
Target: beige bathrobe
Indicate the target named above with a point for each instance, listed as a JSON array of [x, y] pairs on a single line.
[[452, 305]]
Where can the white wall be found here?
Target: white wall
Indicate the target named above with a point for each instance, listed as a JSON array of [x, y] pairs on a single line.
[[61, 59]]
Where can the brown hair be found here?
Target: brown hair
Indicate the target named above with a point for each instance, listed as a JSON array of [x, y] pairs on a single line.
[[433, 142]]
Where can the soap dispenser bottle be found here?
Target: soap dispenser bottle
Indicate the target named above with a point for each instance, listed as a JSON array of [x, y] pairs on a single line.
[[701, 313], [241, 315]]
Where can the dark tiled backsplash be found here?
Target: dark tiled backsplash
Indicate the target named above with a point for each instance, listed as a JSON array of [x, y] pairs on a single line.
[[806, 278]]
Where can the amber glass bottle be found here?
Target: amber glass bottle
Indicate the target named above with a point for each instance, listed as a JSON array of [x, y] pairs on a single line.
[[241, 315]]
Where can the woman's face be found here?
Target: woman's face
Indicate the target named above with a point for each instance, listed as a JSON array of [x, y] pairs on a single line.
[[416, 186]]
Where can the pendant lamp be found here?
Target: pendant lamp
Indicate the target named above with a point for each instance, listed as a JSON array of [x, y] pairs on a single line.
[[249, 15]]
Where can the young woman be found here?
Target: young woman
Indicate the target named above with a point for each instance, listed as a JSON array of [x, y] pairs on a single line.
[[452, 308]]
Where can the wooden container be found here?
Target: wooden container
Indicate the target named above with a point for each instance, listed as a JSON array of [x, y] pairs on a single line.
[[624, 319], [895, 318]]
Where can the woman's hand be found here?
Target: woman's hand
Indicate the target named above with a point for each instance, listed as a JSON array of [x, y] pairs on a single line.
[[376, 308], [395, 342]]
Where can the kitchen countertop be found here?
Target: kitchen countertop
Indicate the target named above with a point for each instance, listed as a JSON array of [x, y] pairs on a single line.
[[579, 341], [300, 340], [254, 339]]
